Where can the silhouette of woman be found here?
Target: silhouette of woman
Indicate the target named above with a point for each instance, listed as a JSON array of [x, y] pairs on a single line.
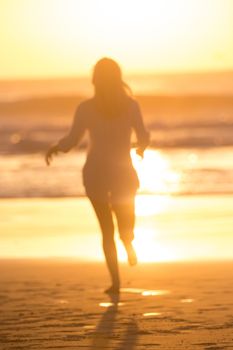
[[109, 177]]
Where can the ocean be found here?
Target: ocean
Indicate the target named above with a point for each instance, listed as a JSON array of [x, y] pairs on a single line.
[[190, 119], [185, 171]]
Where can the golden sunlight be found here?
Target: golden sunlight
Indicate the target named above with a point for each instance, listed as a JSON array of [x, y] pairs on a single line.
[[155, 173], [147, 205], [149, 248], [66, 37]]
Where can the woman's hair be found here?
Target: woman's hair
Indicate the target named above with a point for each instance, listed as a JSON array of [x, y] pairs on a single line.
[[111, 93]]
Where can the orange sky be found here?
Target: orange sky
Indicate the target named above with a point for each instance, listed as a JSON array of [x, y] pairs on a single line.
[[49, 38]]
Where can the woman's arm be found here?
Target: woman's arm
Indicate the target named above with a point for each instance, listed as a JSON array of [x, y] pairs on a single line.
[[72, 139], [143, 136]]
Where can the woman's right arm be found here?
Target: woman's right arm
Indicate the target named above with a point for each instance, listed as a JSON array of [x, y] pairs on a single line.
[[74, 136]]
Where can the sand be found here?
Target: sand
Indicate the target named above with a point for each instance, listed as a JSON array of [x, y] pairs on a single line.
[[60, 304]]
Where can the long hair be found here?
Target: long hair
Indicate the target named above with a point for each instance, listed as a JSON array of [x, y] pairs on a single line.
[[111, 93]]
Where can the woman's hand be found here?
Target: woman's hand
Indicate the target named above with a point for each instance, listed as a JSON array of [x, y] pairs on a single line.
[[140, 151], [49, 155]]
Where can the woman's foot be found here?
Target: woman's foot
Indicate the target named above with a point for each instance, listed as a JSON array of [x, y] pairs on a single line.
[[132, 257], [112, 290]]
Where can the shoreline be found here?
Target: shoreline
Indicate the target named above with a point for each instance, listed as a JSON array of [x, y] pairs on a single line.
[[168, 229]]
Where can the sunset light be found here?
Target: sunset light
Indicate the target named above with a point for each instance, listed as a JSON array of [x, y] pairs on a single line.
[[155, 173], [116, 181], [66, 37], [149, 247]]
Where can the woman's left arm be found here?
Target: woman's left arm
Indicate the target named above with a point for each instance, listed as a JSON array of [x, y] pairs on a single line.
[[143, 136]]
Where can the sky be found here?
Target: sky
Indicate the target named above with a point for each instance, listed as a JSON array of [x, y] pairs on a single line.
[[64, 38]]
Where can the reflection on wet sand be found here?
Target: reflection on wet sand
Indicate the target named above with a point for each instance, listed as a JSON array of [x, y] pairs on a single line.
[[151, 314], [107, 304], [187, 300], [144, 292], [32, 316], [147, 293]]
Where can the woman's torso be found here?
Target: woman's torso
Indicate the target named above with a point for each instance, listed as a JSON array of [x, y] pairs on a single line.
[[108, 156]]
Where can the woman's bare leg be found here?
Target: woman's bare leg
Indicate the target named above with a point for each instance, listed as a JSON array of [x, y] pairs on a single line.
[[126, 220], [104, 215]]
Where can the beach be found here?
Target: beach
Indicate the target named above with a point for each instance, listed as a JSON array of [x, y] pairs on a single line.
[[89, 92], [52, 276], [57, 304], [52, 271]]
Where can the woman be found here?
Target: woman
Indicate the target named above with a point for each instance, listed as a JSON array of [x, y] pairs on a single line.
[[109, 177]]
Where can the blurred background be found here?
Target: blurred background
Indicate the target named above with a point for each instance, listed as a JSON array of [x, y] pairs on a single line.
[[177, 56]]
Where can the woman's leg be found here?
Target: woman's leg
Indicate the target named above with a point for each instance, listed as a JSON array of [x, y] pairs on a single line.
[[125, 215], [104, 215]]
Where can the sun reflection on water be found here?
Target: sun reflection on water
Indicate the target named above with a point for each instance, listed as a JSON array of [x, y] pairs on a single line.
[[155, 173]]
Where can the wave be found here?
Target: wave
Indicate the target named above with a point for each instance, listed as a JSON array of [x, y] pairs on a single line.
[[37, 140], [29, 126]]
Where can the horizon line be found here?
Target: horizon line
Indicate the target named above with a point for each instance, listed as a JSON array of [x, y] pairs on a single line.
[[129, 75]]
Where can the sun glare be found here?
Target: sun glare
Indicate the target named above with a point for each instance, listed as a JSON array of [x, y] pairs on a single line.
[[155, 173], [66, 37], [147, 205], [148, 247]]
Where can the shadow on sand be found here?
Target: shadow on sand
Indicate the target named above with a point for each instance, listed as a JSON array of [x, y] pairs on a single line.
[[104, 332]]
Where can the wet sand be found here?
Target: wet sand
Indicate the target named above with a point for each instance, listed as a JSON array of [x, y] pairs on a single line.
[[168, 228], [60, 304]]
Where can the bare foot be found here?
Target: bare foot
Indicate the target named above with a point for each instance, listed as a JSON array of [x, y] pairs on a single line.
[[112, 290]]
